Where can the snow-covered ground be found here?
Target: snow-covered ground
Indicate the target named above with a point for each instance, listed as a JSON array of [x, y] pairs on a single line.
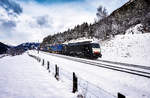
[[134, 49], [109, 81], [23, 77], [2, 55]]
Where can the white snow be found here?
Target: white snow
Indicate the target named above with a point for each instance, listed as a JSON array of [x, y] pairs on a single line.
[[132, 48], [82, 39], [128, 48], [23, 77], [135, 29], [108, 81]]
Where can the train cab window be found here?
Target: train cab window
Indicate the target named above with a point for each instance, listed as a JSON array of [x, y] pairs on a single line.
[[95, 46]]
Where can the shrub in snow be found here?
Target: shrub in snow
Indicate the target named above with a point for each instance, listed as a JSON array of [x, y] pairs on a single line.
[[138, 29]]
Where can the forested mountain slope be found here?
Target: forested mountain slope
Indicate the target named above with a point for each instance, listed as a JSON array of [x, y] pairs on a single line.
[[3, 48], [130, 14]]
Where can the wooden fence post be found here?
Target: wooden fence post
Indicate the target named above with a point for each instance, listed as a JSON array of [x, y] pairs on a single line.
[[43, 62], [121, 96], [75, 83], [48, 65], [39, 59], [56, 72]]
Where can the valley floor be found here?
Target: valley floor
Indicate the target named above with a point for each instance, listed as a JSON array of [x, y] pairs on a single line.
[[23, 77]]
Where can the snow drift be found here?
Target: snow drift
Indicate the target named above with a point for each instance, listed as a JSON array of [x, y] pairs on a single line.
[[133, 47]]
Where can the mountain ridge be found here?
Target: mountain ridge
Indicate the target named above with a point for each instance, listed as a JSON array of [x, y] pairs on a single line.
[[3, 48], [130, 14]]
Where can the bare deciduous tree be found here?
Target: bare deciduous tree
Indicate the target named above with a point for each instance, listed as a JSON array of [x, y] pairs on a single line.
[[101, 12]]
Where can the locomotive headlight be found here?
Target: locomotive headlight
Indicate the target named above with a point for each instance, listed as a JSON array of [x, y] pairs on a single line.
[[96, 50]]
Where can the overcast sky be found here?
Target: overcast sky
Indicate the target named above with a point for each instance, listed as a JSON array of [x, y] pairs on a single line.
[[41, 18]]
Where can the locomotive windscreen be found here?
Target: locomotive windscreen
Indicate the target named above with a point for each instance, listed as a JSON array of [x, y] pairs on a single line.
[[94, 45]]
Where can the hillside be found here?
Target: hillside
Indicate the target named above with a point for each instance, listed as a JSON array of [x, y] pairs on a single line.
[[3, 48], [130, 14], [129, 48]]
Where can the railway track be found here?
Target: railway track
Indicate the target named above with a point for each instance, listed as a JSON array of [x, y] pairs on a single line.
[[138, 70], [125, 64]]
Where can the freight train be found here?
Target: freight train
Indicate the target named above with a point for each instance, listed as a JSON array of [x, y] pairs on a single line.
[[86, 49]]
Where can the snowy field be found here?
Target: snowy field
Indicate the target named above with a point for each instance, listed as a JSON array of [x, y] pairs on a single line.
[[110, 81], [23, 77], [129, 48]]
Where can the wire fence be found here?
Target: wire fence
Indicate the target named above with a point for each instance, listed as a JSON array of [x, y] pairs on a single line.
[[84, 88]]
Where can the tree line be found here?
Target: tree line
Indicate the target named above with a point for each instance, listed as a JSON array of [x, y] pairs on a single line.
[[106, 26]]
